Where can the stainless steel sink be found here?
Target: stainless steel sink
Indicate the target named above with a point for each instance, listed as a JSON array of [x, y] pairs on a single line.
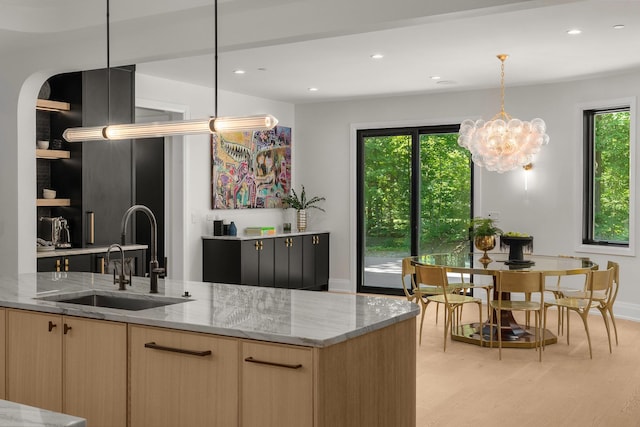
[[121, 301]]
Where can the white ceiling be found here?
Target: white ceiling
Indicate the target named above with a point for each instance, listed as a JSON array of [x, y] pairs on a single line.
[[288, 46]]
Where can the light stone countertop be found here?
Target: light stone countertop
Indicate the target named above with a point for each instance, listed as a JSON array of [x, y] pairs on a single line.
[[17, 415], [84, 251], [309, 318], [242, 236]]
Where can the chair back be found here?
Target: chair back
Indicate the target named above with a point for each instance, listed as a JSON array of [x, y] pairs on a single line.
[[408, 269], [613, 293], [431, 276], [520, 281], [600, 281]]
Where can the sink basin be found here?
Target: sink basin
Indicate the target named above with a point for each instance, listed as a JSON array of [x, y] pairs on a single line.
[[132, 302]]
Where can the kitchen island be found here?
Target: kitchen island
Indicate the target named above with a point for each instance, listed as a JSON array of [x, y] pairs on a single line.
[[17, 415], [229, 354]]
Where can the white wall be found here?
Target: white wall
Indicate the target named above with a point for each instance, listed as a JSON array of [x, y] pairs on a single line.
[[197, 102], [548, 210]]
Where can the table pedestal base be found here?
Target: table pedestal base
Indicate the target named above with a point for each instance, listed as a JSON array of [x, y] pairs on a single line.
[[469, 333]]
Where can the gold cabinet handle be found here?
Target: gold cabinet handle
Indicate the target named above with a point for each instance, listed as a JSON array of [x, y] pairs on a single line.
[[102, 265], [57, 265], [279, 365], [66, 264], [257, 245]]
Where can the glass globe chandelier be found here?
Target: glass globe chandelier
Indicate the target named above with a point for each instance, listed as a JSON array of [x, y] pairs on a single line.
[[502, 143]]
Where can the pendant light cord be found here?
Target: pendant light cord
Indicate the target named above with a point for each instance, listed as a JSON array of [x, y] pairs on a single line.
[[215, 60], [108, 68], [502, 57]]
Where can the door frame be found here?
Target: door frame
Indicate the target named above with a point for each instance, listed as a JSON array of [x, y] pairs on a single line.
[[358, 223]]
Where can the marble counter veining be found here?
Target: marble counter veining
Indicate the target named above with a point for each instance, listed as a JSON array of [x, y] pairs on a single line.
[[84, 251], [17, 415], [242, 236], [316, 319]]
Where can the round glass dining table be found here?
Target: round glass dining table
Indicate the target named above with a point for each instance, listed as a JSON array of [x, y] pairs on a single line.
[[514, 335]]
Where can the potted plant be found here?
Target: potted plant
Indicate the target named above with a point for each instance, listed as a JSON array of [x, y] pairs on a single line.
[[484, 231], [301, 205]]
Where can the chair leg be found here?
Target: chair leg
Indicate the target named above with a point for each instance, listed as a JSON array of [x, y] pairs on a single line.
[[603, 311], [424, 309], [447, 324], [499, 334], [586, 328], [613, 322], [480, 320]]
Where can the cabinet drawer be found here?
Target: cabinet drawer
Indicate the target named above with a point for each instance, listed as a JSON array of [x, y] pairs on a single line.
[[277, 385], [175, 381]]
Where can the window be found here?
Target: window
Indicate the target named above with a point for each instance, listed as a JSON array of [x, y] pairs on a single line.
[[414, 197], [607, 185]]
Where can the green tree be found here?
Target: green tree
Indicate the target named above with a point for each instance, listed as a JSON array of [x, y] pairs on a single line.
[[611, 198]]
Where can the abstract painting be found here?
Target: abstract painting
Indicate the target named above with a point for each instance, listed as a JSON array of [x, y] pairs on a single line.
[[250, 169]]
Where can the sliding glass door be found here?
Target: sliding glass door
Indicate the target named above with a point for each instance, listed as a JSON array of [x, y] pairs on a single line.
[[414, 197]]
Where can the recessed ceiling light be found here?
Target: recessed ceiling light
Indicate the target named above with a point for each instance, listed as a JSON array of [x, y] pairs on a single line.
[[239, 71], [377, 56], [435, 77], [618, 26], [313, 89], [574, 32]]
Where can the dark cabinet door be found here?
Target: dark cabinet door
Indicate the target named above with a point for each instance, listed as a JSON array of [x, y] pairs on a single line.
[[288, 262], [83, 263], [315, 264], [258, 262], [106, 166], [296, 250], [322, 261], [221, 261]]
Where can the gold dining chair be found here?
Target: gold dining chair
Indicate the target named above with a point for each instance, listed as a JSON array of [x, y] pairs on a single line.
[[599, 285], [607, 305], [408, 274], [559, 288], [433, 276], [526, 283]]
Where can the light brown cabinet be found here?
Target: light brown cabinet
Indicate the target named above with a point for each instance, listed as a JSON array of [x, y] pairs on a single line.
[[68, 364], [2, 353], [277, 385], [34, 359], [182, 378]]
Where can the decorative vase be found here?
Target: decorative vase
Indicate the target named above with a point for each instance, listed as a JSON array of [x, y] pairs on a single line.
[[302, 219], [485, 243]]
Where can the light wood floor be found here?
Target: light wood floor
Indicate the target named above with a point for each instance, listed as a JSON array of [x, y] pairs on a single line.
[[469, 386]]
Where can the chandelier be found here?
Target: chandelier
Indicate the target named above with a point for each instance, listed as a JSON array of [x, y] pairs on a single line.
[[502, 143]]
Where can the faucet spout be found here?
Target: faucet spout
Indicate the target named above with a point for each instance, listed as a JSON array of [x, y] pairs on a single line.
[[120, 280], [155, 271]]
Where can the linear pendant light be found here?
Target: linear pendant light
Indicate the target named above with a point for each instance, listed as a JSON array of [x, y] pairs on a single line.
[[178, 127]]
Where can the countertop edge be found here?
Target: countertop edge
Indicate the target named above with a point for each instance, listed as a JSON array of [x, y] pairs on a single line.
[[84, 251], [271, 236], [115, 315]]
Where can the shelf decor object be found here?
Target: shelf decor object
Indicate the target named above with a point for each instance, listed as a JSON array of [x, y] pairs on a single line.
[[516, 244], [301, 205], [502, 143], [180, 127], [484, 231]]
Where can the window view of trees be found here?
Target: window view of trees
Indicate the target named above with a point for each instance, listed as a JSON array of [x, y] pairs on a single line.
[[609, 176], [445, 188], [445, 202]]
